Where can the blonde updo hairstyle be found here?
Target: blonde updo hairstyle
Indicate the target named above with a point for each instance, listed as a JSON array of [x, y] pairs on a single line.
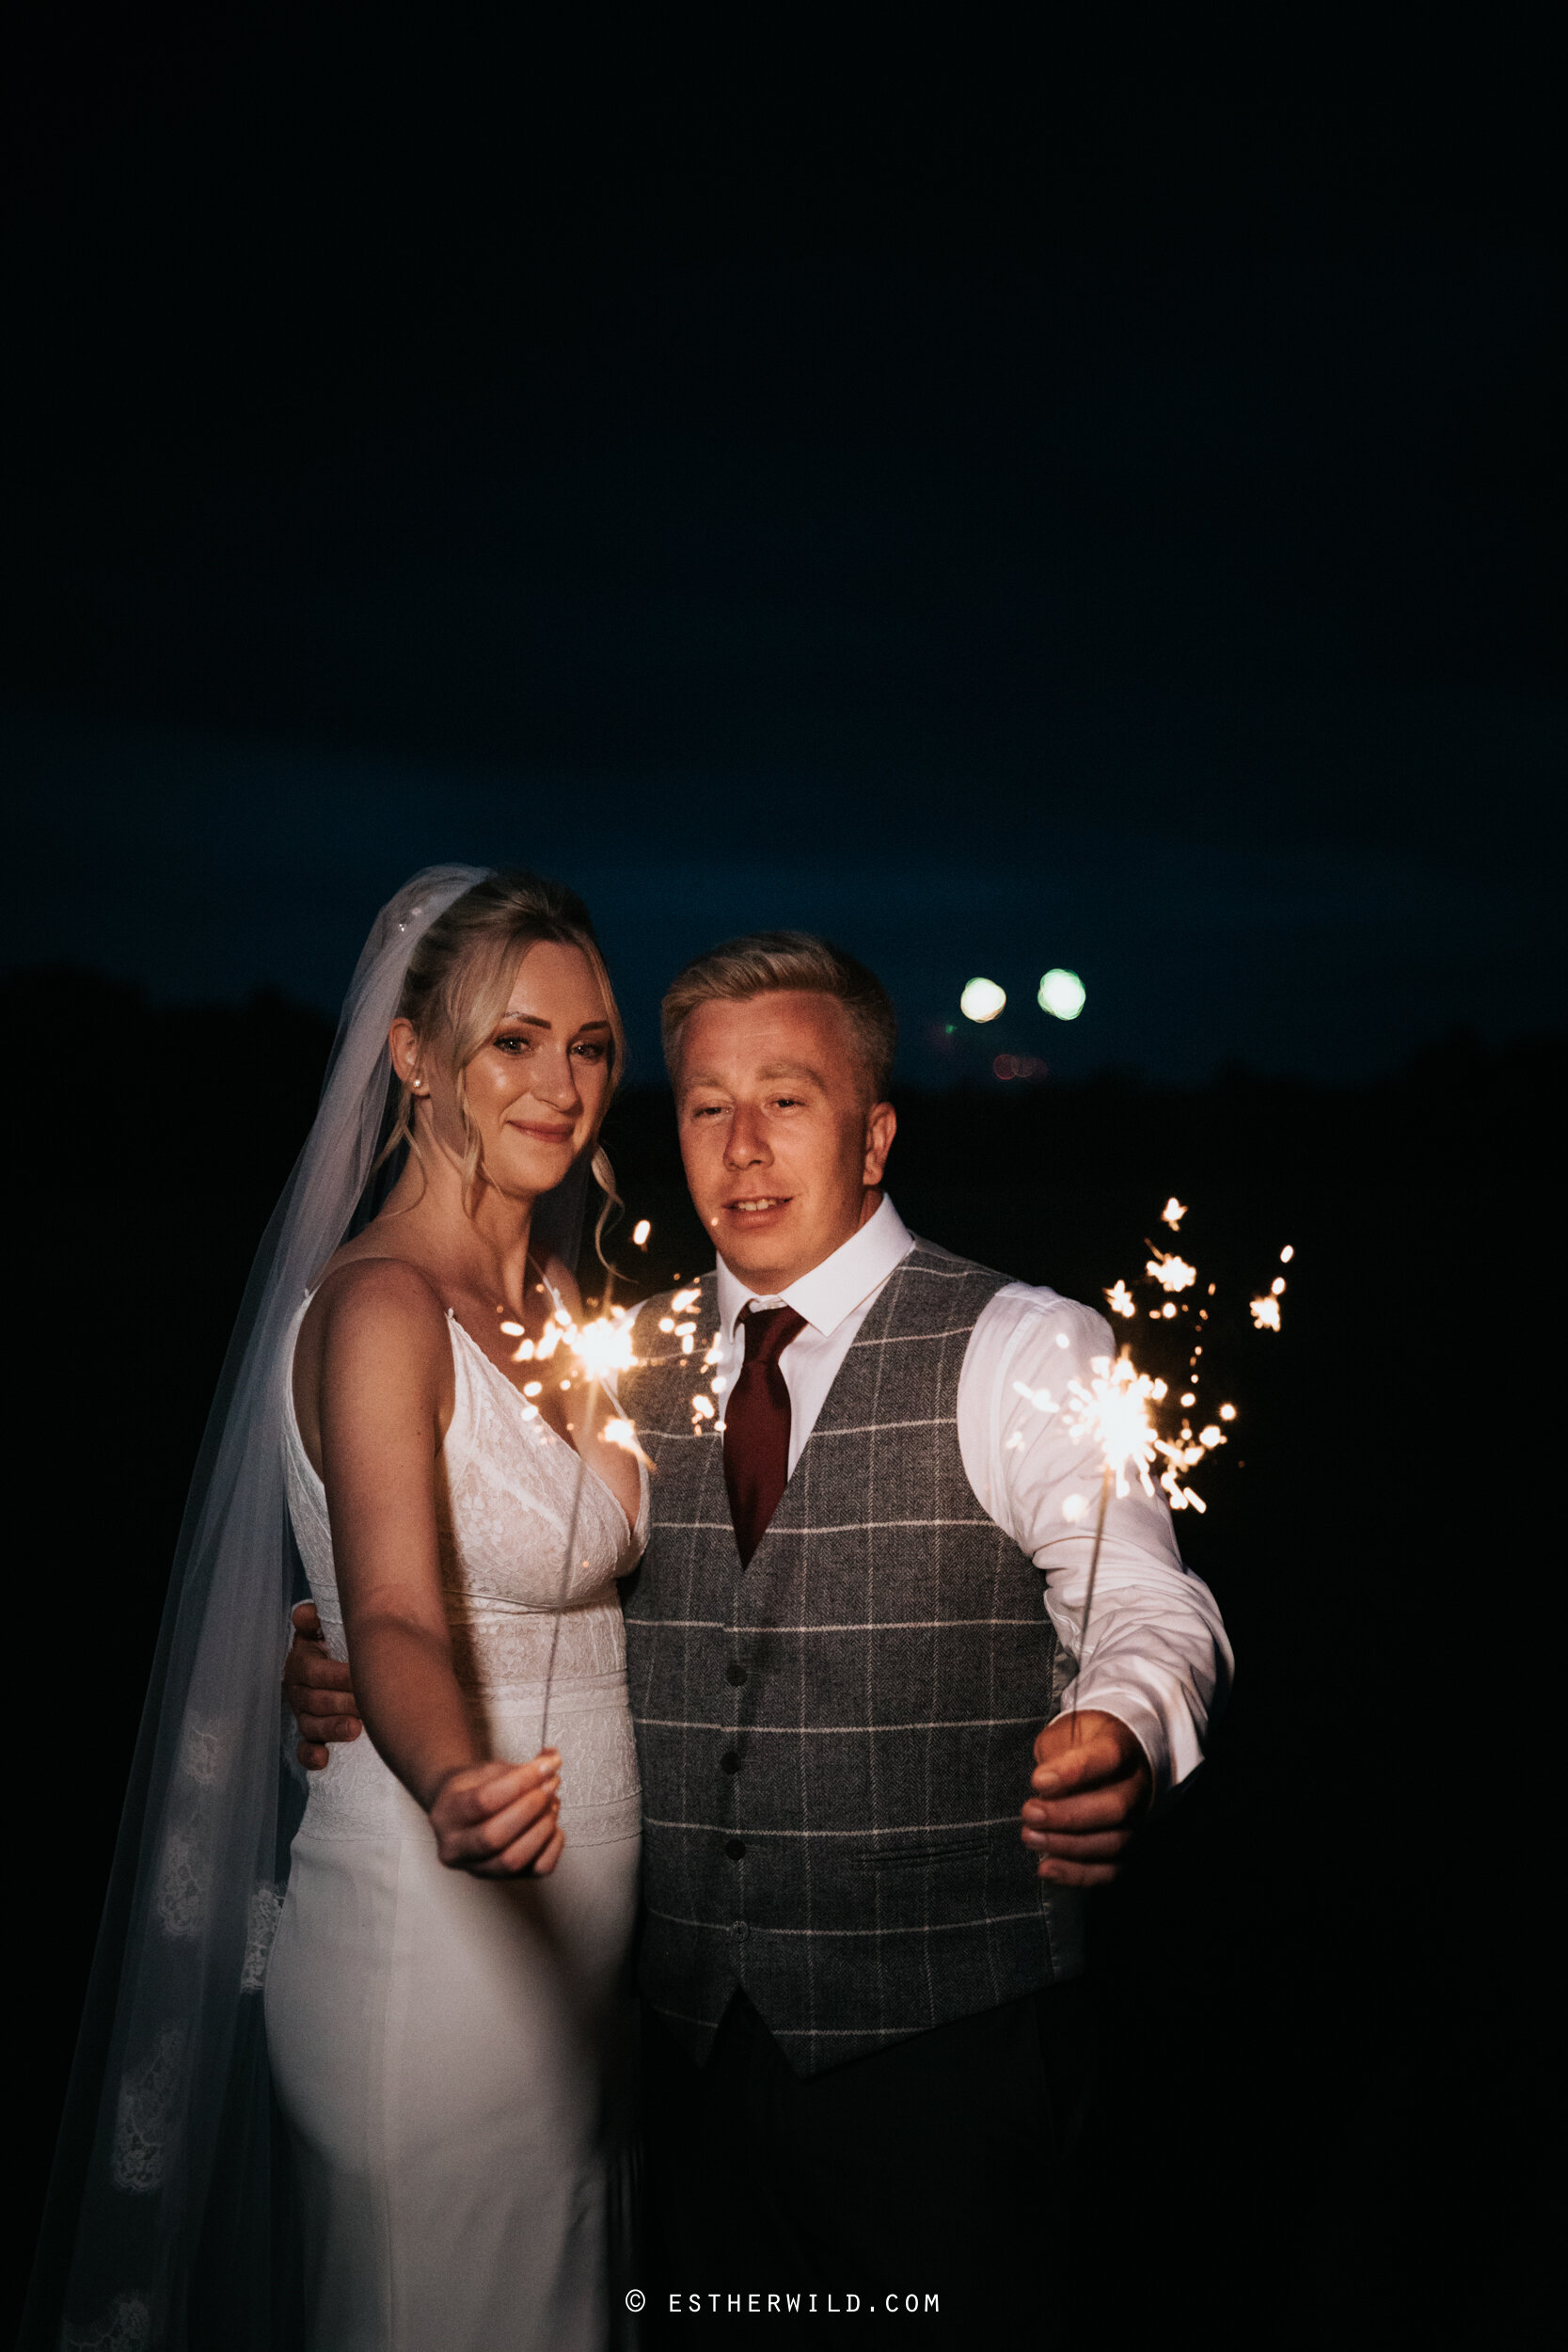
[[459, 978]]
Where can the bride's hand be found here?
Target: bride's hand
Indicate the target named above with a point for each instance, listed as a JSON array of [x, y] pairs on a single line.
[[500, 1821]]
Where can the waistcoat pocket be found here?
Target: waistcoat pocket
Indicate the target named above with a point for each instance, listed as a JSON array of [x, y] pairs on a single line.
[[927, 1853]]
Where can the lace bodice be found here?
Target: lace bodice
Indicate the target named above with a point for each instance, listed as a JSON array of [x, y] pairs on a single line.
[[505, 1492]]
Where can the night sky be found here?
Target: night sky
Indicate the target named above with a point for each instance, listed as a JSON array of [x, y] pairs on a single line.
[[1008, 488], [1003, 495]]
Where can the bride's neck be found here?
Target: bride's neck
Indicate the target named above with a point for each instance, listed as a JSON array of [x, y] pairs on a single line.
[[482, 1243]]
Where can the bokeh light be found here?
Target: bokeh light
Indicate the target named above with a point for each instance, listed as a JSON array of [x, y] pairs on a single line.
[[982, 1000], [1062, 993]]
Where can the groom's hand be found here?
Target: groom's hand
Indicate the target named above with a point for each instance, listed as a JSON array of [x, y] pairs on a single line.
[[1092, 1786], [318, 1690]]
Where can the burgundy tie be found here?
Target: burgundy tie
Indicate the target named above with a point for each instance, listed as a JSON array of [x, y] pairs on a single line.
[[756, 1426]]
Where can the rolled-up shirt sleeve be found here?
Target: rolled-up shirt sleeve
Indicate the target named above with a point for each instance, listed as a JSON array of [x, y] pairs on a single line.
[[1156, 1657]]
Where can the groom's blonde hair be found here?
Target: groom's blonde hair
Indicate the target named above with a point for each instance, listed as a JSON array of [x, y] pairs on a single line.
[[763, 961]]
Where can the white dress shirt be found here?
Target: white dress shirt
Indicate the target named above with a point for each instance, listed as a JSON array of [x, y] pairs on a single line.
[[1158, 1658]]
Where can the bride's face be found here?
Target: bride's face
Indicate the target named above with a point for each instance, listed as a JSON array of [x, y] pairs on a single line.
[[536, 1089]]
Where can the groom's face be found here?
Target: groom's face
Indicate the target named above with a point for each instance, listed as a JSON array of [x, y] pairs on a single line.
[[784, 1150]]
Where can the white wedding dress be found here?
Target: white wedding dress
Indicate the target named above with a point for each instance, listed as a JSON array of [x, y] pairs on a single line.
[[448, 2050]]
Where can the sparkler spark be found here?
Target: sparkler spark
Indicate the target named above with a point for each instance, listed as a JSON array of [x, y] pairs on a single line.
[[603, 1346], [622, 1434], [1120, 1300], [1265, 1313], [640, 1232], [1171, 1272], [1113, 1413], [1173, 1213]]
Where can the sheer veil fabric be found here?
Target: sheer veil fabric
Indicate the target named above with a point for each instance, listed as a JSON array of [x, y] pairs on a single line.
[[167, 2225]]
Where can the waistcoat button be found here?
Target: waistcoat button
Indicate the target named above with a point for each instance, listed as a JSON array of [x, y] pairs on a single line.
[[730, 1763], [735, 1674], [736, 1848]]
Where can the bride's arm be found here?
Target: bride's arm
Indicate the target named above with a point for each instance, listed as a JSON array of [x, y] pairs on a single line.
[[384, 1381]]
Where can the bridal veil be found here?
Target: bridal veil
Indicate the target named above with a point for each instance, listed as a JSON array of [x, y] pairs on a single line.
[[167, 2227]]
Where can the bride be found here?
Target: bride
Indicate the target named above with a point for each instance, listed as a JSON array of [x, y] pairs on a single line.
[[440, 2009], [444, 1986]]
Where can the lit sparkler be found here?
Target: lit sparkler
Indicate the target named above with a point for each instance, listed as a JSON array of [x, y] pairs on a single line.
[[598, 1350], [1128, 1416], [1112, 1411]]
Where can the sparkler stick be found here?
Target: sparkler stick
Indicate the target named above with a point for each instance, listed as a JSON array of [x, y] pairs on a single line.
[[568, 1560], [585, 1438], [1107, 1480], [598, 1348]]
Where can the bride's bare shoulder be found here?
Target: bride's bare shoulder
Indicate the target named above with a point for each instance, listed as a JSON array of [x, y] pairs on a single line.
[[381, 1296], [373, 1322]]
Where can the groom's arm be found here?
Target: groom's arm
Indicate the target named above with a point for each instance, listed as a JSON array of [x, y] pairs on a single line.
[[318, 1689]]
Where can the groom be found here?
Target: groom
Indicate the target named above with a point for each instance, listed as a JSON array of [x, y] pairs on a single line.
[[864, 2047]]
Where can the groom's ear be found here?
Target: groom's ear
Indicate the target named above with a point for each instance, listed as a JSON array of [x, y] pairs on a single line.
[[881, 1125]]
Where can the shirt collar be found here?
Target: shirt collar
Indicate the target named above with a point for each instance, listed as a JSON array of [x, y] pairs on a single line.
[[836, 1287]]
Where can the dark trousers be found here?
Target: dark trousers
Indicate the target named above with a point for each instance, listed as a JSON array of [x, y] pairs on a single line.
[[935, 2169]]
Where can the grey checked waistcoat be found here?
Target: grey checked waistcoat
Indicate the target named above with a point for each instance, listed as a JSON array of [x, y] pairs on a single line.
[[836, 1741]]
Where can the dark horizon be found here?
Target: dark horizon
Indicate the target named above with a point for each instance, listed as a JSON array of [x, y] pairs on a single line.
[[203, 868]]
